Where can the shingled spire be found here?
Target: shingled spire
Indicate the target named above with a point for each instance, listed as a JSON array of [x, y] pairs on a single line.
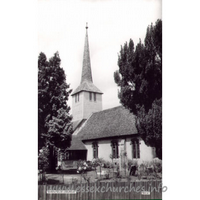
[[86, 98], [86, 68], [86, 77]]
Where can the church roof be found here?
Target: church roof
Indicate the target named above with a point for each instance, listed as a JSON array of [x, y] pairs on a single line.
[[87, 86], [112, 122], [86, 77], [77, 144], [78, 123]]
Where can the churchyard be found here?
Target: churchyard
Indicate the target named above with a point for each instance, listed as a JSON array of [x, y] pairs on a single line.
[[102, 183], [101, 171]]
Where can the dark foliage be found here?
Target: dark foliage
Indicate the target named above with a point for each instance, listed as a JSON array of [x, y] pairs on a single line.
[[140, 80], [54, 120]]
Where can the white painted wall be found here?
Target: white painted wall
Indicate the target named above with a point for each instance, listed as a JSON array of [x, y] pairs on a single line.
[[146, 153], [88, 145], [77, 107], [129, 148], [84, 107], [104, 150], [91, 106]]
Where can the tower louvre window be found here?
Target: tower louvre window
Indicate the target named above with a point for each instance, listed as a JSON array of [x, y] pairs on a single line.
[[95, 97], [90, 93], [77, 97]]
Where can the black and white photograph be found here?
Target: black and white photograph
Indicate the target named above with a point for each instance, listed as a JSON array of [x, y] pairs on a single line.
[[100, 99]]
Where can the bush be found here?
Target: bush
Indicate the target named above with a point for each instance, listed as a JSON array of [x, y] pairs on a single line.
[[83, 166], [157, 166], [108, 164], [107, 176], [132, 163], [43, 159], [150, 169], [90, 165], [98, 162]]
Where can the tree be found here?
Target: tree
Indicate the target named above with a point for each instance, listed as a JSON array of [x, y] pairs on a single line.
[[54, 120], [149, 126], [140, 80]]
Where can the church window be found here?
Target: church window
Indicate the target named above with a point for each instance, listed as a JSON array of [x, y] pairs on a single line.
[[76, 97], [95, 149], [135, 148], [90, 96], [94, 96], [115, 153]]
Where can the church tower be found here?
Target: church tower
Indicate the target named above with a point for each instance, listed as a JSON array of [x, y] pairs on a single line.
[[87, 98]]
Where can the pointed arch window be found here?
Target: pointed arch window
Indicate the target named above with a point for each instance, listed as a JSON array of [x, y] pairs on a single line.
[[114, 146], [135, 148], [95, 149]]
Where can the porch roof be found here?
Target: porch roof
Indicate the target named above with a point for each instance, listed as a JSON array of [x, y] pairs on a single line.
[[77, 144]]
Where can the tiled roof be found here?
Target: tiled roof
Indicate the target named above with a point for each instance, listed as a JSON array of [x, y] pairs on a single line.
[[86, 77], [75, 124], [113, 122], [77, 144], [78, 123], [87, 86]]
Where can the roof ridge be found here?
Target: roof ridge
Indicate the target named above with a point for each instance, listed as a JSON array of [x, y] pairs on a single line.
[[110, 109]]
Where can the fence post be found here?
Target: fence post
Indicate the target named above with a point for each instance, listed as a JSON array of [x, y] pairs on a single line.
[[44, 196]]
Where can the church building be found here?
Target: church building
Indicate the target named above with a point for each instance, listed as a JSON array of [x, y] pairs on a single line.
[[102, 133]]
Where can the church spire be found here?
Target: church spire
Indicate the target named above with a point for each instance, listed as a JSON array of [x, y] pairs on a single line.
[[86, 68]]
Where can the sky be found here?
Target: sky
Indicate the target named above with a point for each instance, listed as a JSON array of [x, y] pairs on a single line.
[[61, 27]]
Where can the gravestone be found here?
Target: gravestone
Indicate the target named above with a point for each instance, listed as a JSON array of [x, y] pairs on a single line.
[[123, 163]]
